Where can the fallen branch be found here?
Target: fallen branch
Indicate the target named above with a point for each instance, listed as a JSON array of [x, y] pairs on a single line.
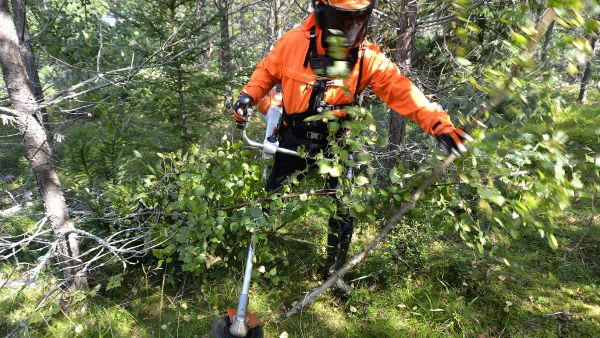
[[8, 243], [8, 212], [123, 249], [6, 119], [18, 205], [488, 106], [7, 283]]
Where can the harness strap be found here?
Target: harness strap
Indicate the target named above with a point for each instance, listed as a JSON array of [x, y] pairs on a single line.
[[312, 47], [316, 104], [360, 71]]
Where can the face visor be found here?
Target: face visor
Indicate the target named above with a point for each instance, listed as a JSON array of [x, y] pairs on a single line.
[[353, 23]]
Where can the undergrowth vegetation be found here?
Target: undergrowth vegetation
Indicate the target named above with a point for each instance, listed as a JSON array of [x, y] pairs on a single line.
[[422, 281], [166, 198]]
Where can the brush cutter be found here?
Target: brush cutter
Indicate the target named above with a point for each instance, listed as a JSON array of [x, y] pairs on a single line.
[[239, 322]]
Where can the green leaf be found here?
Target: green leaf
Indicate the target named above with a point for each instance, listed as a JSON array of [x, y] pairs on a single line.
[[359, 208], [492, 195], [519, 39], [394, 176], [361, 180], [552, 241], [114, 281], [95, 290], [336, 170], [462, 61]]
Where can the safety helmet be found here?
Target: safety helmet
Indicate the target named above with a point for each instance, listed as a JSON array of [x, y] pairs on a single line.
[[351, 17]]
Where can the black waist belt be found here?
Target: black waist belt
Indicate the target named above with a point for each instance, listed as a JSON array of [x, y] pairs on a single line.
[[312, 130], [310, 135]]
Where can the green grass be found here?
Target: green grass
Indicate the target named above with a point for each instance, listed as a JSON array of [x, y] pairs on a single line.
[[446, 292]]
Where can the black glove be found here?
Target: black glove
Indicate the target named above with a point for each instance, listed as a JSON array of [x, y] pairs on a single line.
[[241, 108], [452, 141]]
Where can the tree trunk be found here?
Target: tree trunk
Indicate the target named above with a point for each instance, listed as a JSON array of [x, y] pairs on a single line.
[[407, 26], [276, 23], [546, 42], [587, 74], [39, 152], [226, 67], [18, 7], [176, 70], [183, 112]]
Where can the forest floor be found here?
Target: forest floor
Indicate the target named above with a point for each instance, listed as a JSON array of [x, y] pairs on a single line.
[[431, 287]]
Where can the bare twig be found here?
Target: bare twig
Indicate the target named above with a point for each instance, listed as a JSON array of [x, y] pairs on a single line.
[[7, 119], [301, 8], [99, 56], [8, 243]]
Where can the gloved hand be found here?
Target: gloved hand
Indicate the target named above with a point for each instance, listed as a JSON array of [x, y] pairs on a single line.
[[241, 108], [450, 139]]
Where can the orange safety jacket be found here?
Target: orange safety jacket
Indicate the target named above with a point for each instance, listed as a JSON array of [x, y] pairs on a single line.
[[285, 64]]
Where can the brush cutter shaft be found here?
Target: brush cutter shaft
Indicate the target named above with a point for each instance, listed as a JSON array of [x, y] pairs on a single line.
[[248, 271], [239, 326]]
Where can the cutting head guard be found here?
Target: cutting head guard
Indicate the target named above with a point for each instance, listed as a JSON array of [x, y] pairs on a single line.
[[351, 17]]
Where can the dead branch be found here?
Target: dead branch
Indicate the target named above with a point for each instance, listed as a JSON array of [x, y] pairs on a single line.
[[118, 245], [8, 119], [8, 243]]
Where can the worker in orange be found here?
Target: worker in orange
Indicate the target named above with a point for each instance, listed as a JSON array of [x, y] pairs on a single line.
[[298, 61]]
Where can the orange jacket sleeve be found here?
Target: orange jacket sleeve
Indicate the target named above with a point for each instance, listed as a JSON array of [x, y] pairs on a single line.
[[400, 94], [273, 98], [267, 73], [264, 104]]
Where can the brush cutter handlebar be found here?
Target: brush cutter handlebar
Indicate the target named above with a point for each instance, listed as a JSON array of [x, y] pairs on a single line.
[[267, 146]]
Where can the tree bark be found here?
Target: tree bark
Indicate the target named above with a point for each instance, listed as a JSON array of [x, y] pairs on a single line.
[[546, 42], [226, 67], [176, 70], [276, 23], [587, 74], [39, 152], [407, 27], [19, 10]]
